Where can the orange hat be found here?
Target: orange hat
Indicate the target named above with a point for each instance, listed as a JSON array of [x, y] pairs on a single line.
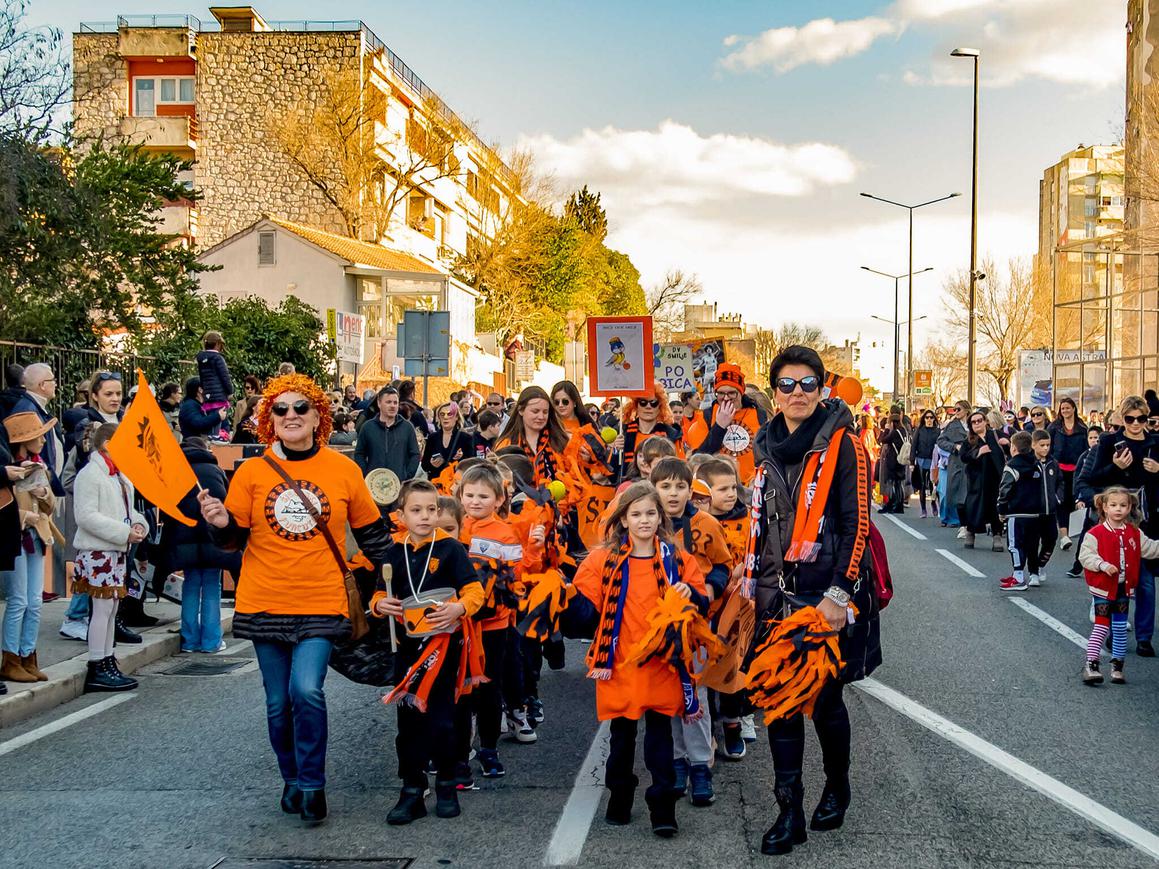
[[700, 488], [728, 374]]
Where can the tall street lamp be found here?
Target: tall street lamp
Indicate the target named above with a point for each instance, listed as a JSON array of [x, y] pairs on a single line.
[[910, 306], [971, 350], [896, 330]]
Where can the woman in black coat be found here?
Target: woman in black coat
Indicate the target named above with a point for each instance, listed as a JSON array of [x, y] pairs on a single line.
[[448, 445], [924, 439], [984, 459], [892, 470], [191, 551], [1068, 441]]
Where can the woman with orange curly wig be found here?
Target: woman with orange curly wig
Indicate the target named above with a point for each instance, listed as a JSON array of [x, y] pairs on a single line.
[[645, 418], [292, 602]]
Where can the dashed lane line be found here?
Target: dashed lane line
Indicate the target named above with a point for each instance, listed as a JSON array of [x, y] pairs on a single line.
[[965, 565], [1067, 797], [1049, 620], [61, 723], [571, 830], [911, 532]]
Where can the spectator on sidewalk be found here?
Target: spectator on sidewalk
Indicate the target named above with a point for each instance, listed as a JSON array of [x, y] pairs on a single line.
[[191, 551], [388, 440], [216, 384], [250, 387], [39, 389], [193, 419], [984, 458], [169, 400], [950, 442], [25, 581], [925, 439]]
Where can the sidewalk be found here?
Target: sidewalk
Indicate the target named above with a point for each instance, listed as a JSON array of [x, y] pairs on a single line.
[[65, 661]]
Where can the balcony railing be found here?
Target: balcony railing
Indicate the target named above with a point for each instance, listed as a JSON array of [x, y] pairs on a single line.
[[162, 133]]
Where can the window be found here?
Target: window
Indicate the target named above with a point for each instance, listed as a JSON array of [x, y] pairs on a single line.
[[266, 255], [148, 93]]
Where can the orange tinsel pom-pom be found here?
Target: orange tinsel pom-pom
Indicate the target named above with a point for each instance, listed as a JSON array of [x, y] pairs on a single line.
[[307, 387], [793, 665], [677, 634]]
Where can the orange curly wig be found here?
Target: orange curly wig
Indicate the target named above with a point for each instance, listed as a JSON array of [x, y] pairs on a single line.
[[307, 387], [665, 411]]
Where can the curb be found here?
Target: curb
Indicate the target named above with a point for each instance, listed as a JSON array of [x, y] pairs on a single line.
[[66, 680]]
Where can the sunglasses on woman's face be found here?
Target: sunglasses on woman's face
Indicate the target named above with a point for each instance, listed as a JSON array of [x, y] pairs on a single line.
[[562, 402], [300, 407], [809, 384], [1127, 418], [647, 402]]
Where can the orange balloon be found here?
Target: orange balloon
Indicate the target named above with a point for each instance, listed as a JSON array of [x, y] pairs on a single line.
[[849, 390]]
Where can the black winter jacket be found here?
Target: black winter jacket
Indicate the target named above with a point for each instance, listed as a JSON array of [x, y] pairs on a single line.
[[1030, 487], [396, 448], [214, 376], [186, 547], [1066, 448], [924, 440], [194, 422]]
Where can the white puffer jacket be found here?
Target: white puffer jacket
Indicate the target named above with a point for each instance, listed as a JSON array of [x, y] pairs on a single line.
[[99, 504]]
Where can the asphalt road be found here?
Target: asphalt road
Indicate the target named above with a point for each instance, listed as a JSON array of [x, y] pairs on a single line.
[[181, 775]]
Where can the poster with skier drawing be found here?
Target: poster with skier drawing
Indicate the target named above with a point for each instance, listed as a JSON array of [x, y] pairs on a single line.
[[620, 356]]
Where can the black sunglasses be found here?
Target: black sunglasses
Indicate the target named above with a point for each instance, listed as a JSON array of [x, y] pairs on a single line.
[[301, 408], [786, 385], [1129, 419], [106, 375], [562, 401], [647, 402]]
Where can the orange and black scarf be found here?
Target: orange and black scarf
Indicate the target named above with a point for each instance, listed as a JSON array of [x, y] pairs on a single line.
[[414, 689], [812, 495], [614, 581], [543, 459]]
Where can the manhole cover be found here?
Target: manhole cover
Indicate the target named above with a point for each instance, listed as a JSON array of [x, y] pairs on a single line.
[[212, 667], [296, 863]]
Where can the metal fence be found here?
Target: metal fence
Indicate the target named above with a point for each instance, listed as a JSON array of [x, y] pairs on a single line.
[[71, 366]]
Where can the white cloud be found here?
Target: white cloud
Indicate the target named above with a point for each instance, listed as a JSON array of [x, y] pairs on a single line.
[[821, 41], [676, 165], [1073, 42]]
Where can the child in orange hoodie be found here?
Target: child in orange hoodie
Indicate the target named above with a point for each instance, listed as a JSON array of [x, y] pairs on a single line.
[[621, 582]]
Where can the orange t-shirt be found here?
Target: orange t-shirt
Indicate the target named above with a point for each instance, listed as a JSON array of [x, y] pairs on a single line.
[[635, 689], [709, 544], [288, 568]]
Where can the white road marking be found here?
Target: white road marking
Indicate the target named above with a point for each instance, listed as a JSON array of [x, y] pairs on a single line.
[[904, 527], [61, 723], [953, 559], [1067, 797], [1049, 620], [571, 830]]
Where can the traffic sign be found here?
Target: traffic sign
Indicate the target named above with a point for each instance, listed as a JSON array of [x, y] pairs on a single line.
[[923, 381]]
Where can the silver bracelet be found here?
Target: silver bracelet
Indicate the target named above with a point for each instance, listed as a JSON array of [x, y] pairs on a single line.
[[838, 595]]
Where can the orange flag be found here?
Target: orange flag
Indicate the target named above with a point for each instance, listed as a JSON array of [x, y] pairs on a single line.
[[146, 452]]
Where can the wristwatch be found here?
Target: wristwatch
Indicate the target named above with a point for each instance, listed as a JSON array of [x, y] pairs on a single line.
[[838, 596]]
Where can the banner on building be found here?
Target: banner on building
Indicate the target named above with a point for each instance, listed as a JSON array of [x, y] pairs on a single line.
[[1035, 378], [347, 331], [620, 356]]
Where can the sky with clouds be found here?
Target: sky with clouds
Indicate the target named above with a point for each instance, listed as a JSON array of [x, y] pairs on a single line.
[[731, 139]]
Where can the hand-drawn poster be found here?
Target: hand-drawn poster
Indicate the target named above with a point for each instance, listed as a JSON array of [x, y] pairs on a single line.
[[620, 356]]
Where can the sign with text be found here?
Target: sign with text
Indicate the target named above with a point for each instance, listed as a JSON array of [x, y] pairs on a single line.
[[524, 365], [620, 356], [923, 381], [673, 364], [347, 331]]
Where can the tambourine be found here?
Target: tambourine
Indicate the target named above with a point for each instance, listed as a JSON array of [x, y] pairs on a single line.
[[416, 612], [384, 486]]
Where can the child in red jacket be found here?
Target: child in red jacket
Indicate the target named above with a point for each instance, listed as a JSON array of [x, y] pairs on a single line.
[[1111, 553]]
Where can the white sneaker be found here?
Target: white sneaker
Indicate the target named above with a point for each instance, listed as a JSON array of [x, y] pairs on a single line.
[[1065, 543], [75, 629], [519, 724], [748, 728], [1034, 582], [962, 532], [220, 648]]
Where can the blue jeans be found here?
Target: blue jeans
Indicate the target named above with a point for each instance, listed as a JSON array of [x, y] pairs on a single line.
[[22, 587], [79, 607], [947, 512], [1145, 603], [292, 674], [201, 610]]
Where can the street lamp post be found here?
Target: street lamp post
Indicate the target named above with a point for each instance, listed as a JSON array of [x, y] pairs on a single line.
[[909, 353], [971, 350], [896, 324]]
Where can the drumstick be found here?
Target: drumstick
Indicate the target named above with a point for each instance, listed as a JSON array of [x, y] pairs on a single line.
[[387, 575]]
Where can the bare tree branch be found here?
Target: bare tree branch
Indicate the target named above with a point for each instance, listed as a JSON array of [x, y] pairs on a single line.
[[34, 79], [666, 302]]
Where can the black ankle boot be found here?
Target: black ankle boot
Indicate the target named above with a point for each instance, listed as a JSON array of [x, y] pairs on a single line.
[[99, 677], [789, 827], [662, 812], [411, 806], [830, 811], [314, 806], [446, 799], [619, 811], [124, 635], [291, 800], [127, 683]]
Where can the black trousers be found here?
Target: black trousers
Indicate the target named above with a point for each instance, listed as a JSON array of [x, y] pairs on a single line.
[[619, 772], [486, 700], [1032, 540], [430, 734], [831, 721], [532, 652]]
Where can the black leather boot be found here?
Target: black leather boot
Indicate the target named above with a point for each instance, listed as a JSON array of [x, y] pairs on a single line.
[[132, 613], [411, 806], [446, 799], [619, 811], [126, 682], [314, 806], [830, 811], [291, 800], [124, 635], [99, 678], [789, 827]]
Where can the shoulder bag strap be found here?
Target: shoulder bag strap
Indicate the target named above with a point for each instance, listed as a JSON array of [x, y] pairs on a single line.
[[312, 510]]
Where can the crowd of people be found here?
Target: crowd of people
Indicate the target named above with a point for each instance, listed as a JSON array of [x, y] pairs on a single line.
[[1037, 482]]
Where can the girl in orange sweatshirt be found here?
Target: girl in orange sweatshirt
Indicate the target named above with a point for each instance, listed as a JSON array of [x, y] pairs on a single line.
[[622, 581]]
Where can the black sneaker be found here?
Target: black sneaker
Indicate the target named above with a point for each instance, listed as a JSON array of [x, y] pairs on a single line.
[[1144, 649], [701, 781], [733, 747], [535, 710], [1075, 572], [489, 759], [464, 778]]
